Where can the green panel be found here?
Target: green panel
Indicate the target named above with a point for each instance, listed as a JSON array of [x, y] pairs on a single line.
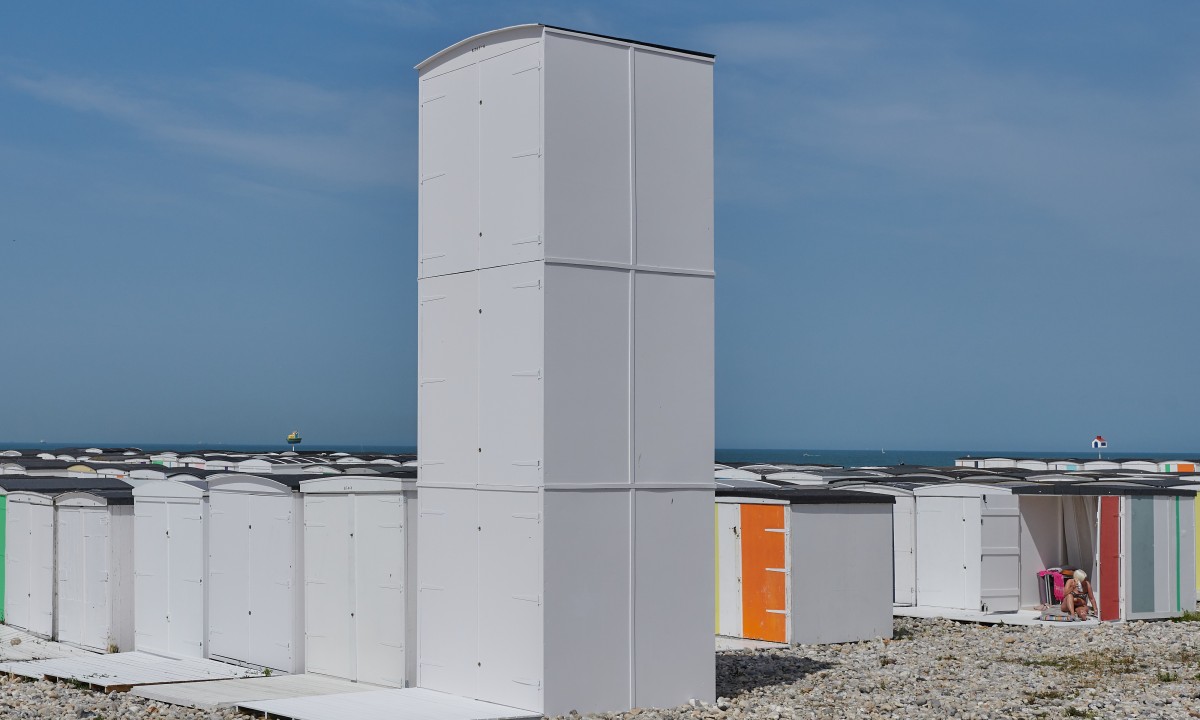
[[1141, 544]]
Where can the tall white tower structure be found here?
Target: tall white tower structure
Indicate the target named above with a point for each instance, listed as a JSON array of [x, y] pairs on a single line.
[[566, 372]]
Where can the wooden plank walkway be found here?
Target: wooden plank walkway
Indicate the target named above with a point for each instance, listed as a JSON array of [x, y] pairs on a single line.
[[1021, 617], [228, 693], [409, 704], [18, 645], [119, 672]]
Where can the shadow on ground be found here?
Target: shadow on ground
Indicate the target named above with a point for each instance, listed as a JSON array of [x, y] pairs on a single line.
[[738, 672]]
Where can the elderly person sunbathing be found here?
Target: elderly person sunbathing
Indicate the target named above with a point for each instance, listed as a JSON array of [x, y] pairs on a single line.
[[1076, 596]]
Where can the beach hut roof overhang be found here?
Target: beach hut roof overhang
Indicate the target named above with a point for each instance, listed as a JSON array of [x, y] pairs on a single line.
[[242, 482], [805, 496], [57, 485], [359, 484], [94, 498], [171, 489]]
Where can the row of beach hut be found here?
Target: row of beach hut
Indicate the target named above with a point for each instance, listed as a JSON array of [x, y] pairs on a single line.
[[969, 539], [285, 572]]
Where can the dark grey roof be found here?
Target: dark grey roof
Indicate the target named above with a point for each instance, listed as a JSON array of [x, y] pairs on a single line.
[[809, 496], [54, 485], [1098, 488]]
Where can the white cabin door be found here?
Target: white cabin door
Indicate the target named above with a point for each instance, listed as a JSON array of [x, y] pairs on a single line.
[[150, 574], [97, 610], [229, 573], [185, 585], [379, 564], [17, 565], [271, 552], [904, 551], [329, 585], [41, 587], [71, 576], [942, 553], [1000, 554]]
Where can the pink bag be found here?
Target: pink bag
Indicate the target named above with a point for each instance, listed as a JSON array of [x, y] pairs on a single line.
[[1057, 583]]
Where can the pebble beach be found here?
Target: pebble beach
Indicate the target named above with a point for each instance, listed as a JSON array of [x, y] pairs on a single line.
[[945, 669], [930, 669]]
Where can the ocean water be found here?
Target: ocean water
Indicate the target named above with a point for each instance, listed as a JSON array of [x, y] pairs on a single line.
[[231, 447], [845, 458], [934, 458]]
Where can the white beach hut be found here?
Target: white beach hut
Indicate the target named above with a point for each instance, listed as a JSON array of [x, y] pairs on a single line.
[[968, 547], [980, 547], [169, 559], [30, 540], [94, 569], [359, 576], [29, 563], [255, 571], [802, 565], [904, 537]]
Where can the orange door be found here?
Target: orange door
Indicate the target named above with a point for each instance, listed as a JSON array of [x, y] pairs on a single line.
[[764, 574]]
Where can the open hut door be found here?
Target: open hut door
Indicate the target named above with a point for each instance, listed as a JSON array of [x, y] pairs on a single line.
[[1000, 554], [1109, 559], [764, 572]]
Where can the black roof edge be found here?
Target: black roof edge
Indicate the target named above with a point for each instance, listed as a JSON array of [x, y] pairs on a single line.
[[697, 53], [809, 496]]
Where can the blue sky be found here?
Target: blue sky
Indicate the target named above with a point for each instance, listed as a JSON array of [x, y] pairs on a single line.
[[939, 225]]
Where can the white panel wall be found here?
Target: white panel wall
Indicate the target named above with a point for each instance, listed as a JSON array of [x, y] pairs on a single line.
[[448, 601], [17, 561], [510, 158], [943, 553], [186, 582], [674, 167], [71, 577], [328, 585], [830, 604], [729, 569], [510, 598], [449, 189], [98, 629], [585, 371], [673, 597], [592, 532], [381, 587], [674, 378], [41, 564], [588, 213], [904, 550], [448, 393], [272, 609], [229, 577], [151, 576], [510, 381]]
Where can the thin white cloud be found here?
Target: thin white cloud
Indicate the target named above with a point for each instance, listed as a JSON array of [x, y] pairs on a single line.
[[1115, 165], [265, 123]]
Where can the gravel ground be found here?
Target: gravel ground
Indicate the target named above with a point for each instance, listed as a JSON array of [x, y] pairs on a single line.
[[933, 669], [940, 669], [23, 699]]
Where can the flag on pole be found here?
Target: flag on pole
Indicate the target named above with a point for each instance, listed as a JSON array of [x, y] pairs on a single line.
[[1099, 443]]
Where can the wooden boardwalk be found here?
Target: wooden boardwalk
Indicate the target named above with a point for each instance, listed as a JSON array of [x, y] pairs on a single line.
[[18, 645], [409, 704], [119, 672], [228, 693]]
